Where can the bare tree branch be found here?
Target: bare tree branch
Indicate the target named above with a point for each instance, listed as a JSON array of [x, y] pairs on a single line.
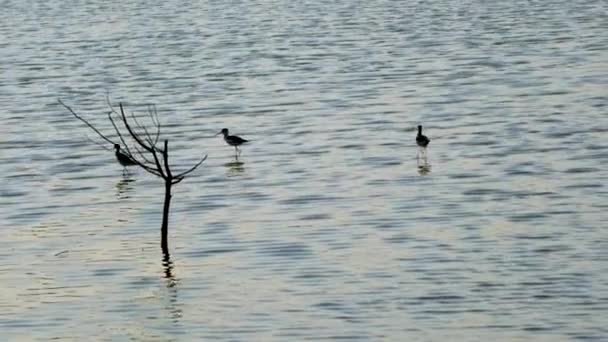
[[154, 116], [131, 132], [85, 122], [143, 156], [150, 169], [98, 144], [124, 143], [148, 137], [183, 174], [165, 152], [139, 144], [110, 103]]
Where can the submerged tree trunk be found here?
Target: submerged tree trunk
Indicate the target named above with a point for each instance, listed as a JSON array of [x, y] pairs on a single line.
[[164, 229]]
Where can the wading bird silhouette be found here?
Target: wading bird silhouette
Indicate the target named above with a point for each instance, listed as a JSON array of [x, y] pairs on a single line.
[[232, 140], [422, 141]]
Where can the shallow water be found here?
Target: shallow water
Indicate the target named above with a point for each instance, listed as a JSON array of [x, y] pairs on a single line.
[[328, 229]]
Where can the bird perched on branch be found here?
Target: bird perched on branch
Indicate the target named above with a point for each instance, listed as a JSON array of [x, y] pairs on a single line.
[[123, 159]]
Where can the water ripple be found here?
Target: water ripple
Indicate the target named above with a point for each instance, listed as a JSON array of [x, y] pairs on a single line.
[[326, 228]]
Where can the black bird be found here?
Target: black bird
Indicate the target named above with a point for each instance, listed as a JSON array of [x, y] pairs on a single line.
[[422, 140], [123, 159], [232, 140]]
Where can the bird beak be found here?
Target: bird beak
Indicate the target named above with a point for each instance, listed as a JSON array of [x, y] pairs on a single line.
[[218, 133]]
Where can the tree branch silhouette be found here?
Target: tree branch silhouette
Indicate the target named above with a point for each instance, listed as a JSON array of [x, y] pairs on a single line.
[[141, 147]]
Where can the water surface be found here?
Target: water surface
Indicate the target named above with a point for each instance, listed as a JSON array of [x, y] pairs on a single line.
[[328, 230]]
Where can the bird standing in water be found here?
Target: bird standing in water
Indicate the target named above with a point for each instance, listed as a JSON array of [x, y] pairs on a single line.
[[232, 140], [422, 141], [123, 159]]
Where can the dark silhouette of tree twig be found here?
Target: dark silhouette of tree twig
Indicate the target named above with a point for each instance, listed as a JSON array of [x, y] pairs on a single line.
[[141, 146]]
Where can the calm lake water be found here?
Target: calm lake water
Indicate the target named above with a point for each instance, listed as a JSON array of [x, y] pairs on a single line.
[[328, 230]]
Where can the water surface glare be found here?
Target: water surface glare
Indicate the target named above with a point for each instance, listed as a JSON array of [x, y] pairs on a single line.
[[326, 228]]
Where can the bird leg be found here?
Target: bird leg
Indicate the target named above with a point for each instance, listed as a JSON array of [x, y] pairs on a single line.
[[423, 155]]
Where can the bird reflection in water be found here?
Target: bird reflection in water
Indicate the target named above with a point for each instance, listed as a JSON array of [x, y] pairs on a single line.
[[235, 168], [424, 169], [123, 187]]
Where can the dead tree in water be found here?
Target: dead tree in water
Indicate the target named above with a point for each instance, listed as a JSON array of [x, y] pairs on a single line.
[[141, 146]]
